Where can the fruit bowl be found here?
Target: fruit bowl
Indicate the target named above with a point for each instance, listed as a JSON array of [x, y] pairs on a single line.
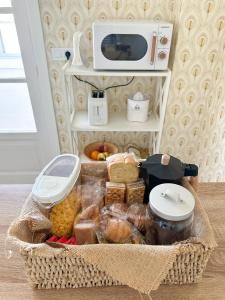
[[99, 151]]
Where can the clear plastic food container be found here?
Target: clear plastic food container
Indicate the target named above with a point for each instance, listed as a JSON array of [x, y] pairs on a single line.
[[53, 189]]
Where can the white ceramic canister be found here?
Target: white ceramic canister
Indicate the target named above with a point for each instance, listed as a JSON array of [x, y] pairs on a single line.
[[172, 209], [137, 108]]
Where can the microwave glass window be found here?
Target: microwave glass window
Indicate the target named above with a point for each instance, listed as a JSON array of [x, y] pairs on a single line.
[[124, 47]]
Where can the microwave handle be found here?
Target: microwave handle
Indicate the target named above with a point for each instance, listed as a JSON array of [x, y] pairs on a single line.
[[77, 61], [153, 49]]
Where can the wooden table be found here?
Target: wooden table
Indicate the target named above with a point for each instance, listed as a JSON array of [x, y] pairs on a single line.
[[13, 284]]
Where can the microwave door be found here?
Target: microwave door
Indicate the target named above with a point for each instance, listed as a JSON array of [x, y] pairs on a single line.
[[124, 47]]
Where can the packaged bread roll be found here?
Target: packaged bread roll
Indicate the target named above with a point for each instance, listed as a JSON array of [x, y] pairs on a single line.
[[117, 231], [92, 194], [122, 168], [85, 233], [137, 214]]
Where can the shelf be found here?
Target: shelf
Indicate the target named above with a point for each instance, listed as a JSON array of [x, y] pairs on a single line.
[[84, 71], [117, 122]]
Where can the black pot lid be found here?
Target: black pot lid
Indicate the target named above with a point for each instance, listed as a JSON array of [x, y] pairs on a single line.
[[169, 169]]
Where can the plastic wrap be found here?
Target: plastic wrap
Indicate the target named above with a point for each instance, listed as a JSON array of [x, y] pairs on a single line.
[[95, 169], [115, 228], [135, 192], [93, 180], [138, 215], [85, 232], [92, 194], [115, 192], [92, 213]]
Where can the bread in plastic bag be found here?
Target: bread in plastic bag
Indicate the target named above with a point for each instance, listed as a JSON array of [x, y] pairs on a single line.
[[92, 180], [92, 194], [115, 228], [85, 232], [138, 215], [115, 192], [92, 213], [135, 192]]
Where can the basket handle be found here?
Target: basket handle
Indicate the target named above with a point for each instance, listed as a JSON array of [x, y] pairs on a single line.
[[194, 182]]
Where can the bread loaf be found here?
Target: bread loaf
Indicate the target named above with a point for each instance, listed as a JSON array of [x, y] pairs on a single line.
[[122, 168]]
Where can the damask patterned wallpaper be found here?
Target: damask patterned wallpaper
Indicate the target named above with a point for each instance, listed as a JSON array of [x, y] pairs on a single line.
[[194, 128]]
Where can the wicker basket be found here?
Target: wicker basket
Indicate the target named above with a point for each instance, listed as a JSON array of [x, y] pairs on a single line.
[[46, 271]]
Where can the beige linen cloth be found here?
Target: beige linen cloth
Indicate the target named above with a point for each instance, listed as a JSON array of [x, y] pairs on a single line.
[[142, 267]]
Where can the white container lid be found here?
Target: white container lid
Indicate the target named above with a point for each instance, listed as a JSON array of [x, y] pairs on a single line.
[[57, 179], [138, 96], [171, 202]]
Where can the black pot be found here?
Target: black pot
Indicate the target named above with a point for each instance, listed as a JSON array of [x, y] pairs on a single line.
[[162, 168]]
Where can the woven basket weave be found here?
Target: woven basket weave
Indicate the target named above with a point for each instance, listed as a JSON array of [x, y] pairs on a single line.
[[46, 270], [73, 272]]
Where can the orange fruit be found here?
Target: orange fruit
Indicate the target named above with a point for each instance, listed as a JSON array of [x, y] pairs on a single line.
[[94, 155]]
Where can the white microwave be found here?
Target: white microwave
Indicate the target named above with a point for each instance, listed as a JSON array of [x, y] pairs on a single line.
[[131, 45]]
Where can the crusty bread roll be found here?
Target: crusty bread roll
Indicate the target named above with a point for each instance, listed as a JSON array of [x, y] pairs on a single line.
[[117, 231], [122, 168]]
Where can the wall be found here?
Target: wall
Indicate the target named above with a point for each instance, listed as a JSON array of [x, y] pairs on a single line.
[[194, 128]]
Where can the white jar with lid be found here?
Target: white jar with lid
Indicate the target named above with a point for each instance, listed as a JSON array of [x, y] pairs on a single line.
[[137, 108], [172, 209]]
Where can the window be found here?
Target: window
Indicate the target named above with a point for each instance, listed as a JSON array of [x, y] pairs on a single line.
[[16, 114]]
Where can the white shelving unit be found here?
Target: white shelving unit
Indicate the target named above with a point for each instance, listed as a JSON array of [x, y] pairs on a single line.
[[117, 121]]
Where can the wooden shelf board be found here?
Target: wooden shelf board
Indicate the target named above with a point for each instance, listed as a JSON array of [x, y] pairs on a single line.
[[117, 122], [84, 71]]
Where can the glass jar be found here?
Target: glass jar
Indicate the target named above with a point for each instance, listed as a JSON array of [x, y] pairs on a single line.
[[165, 232], [171, 207]]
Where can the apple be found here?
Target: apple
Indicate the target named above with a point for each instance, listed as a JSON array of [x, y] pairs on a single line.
[[102, 148]]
